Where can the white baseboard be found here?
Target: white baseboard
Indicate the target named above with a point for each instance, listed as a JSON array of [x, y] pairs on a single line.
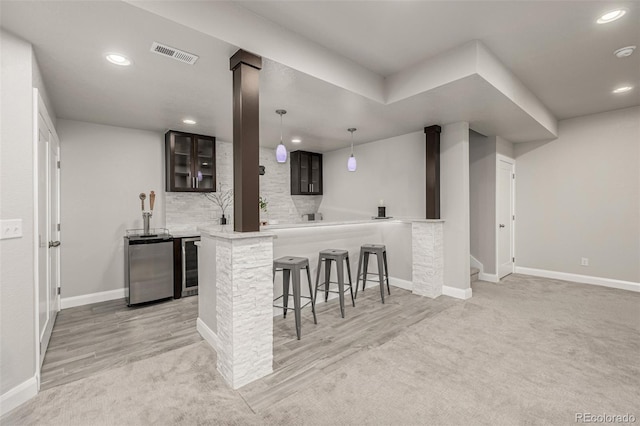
[[458, 293], [18, 395], [86, 299], [584, 279], [492, 278], [400, 283], [207, 334], [475, 263]]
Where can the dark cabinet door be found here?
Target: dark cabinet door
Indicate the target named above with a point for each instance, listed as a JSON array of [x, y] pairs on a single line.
[[305, 181], [306, 173], [315, 174], [205, 164], [191, 162]]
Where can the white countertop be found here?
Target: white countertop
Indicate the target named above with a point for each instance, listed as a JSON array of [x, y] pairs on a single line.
[[226, 231], [319, 223]]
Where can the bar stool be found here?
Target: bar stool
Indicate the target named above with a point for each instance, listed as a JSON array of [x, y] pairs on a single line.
[[337, 256], [380, 251], [295, 265]]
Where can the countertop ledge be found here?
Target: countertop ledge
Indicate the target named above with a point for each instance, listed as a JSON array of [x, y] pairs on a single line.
[[320, 223], [226, 231]]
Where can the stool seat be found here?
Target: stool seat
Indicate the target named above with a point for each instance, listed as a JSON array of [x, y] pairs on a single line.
[[334, 253], [373, 248], [290, 261]]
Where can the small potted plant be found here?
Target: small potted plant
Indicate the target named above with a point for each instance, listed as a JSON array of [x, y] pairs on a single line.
[[223, 199], [262, 202]]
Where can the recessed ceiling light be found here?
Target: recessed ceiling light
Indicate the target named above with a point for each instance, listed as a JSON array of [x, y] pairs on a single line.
[[296, 140], [611, 16], [118, 59], [623, 52], [189, 121], [623, 89]]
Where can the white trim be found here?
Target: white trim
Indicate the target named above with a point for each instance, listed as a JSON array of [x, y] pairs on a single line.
[[475, 263], [492, 278], [207, 334], [36, 242], [18, 395], [458, 293], [400, 283], [508, 160], [583, 279], [86, 299]]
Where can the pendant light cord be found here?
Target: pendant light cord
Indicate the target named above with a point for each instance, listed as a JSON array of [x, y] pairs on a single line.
[[351, 130], [280, 128]]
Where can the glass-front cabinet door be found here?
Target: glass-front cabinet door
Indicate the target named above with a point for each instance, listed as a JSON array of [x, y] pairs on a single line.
[[205, 164], [182, 157], [315, 174], [191, 162]]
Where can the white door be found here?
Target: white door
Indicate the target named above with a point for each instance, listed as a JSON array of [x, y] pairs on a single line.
[[47, 225], [505, 176]]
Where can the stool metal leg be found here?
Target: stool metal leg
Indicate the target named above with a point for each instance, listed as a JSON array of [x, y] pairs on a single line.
[[286, 276], [296, 301], [386, 270], [315, 294], [313, 300], [327, 276], [380, 275], [340, 270], [360, 260], [366, 269], [353, 300]]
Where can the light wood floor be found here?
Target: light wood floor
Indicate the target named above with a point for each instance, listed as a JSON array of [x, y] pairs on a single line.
[[94, 338]]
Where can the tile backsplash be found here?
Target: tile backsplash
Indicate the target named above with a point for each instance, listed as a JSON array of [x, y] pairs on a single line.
[[186, 211]]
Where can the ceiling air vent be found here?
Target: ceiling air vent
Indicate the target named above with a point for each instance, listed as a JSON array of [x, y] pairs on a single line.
[[177, 54]]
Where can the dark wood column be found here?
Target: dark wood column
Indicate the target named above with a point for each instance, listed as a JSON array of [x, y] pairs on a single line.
[[433, 171], [246, 130]]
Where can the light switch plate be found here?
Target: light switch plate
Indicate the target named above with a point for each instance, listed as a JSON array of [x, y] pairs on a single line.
[[10, 228]]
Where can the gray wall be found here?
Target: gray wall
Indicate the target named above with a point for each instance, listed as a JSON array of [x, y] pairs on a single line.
[[104, 169], [454, 199], [17, 317], [392, 170], [579, 196], [482, 199]]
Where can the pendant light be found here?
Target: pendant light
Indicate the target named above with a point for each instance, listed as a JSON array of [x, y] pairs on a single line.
[[281, 151], [351, 162]]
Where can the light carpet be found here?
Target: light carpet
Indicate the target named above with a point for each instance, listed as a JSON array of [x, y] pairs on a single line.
[[525, 351]]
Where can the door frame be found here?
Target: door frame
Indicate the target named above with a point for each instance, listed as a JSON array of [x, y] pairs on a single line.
[[39, 108], [504, 158]]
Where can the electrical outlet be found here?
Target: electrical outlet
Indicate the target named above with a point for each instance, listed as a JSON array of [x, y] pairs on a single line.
[[10, 228], [584, 261]]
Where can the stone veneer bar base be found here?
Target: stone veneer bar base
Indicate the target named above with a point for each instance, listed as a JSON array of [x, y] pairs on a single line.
[[244, 296], [428, 257]]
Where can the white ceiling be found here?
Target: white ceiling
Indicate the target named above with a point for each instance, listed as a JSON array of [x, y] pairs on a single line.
[[554, 48]]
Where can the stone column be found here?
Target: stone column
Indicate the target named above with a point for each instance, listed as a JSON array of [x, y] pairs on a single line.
[[243, 338], [428, 257]]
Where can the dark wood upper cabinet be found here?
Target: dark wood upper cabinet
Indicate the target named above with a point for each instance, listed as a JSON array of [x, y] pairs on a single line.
[[306, 173], [190, 161]]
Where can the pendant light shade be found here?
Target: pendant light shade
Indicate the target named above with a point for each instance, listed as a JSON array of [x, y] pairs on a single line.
[[281, 150], [351, 162]]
